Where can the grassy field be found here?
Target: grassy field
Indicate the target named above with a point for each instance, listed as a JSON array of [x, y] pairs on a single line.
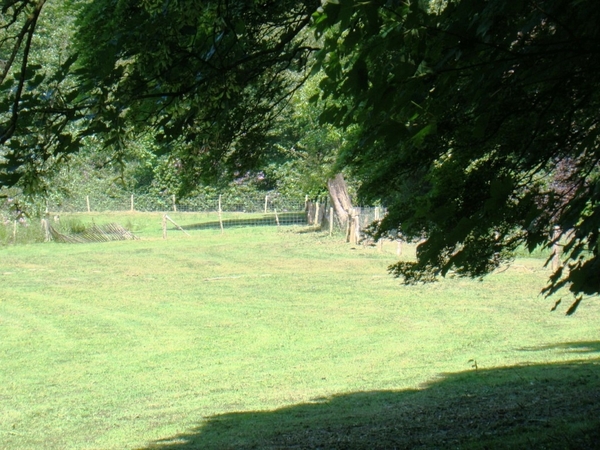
[[276, 338]]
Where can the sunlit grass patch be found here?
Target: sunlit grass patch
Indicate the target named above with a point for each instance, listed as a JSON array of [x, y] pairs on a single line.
[[122, 344]]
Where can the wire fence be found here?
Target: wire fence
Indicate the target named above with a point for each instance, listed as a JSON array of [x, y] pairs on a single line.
[[210, 211], [244, 202]]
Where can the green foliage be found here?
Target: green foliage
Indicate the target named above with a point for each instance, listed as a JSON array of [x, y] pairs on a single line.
[[467, 109], [37, 97], [308, 148], [474, 121], [72, 225], [23, 232], [211, 82]]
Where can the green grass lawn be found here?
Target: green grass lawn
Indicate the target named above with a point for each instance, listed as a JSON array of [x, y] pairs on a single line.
[[274, 338]]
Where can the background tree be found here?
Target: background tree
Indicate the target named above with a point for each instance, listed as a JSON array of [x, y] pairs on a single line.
[[36, 97], [210, 76], [310, 150], [466, 110]]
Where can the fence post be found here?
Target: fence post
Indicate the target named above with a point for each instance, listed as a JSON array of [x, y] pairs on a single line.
[[276, 218], [266, 202], [87, 200], [164, 226], [317, 214], [220, 214], [15, 232], [556, 248], [174, 204], [46, 229], [380, 241], [132, 207]]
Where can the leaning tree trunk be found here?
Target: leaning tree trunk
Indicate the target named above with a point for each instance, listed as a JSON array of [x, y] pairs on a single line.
[[342, 205]]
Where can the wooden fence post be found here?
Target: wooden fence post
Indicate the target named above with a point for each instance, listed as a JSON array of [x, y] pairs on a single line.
[[174, 204], [46, 228], [220, 214], [132, 206], [266, 203], [556, 248], [164, 226], [166, 217], [309, 208], [87, 200]]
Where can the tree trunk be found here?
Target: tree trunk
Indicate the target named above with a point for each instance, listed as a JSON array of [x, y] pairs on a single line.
[[342, 204]]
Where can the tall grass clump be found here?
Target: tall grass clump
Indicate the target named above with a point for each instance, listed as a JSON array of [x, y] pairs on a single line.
[[21, 232]]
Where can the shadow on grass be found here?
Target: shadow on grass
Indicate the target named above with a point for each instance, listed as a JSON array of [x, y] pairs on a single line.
[[537, 406], [570, 347]]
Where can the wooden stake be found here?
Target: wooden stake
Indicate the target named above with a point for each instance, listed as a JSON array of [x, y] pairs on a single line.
[[276, 218], [220, 215], [266, 203], [132, 208], [15, 232], [556, 249], [176, 224], [46, 229], [174, 204], [164, 226], [87, 199]]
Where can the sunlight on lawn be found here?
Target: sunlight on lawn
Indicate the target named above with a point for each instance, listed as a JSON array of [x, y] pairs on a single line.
[[119, 345]]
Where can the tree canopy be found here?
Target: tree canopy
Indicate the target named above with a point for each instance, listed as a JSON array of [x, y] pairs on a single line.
[[479, 127], [36, 100], [209, 76], [473, 121]]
